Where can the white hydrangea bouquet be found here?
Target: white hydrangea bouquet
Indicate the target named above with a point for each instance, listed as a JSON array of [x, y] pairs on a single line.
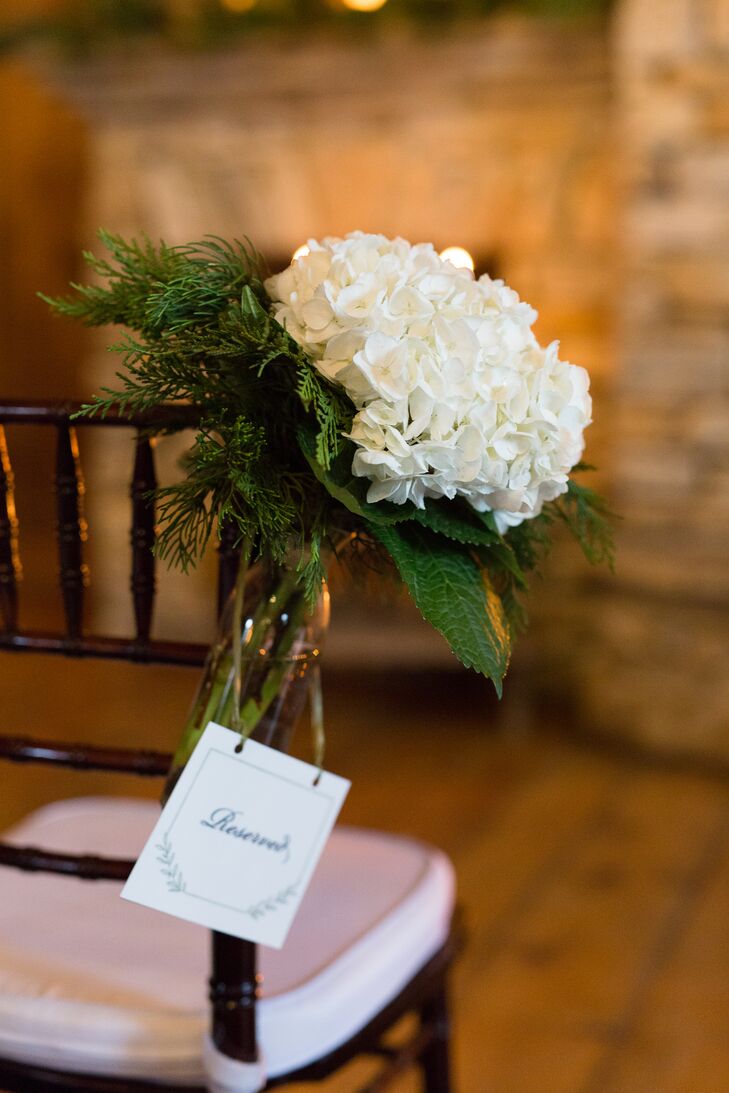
[[370, 394]]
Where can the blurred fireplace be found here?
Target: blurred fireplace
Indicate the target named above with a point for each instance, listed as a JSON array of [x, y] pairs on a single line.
[[486, 139]]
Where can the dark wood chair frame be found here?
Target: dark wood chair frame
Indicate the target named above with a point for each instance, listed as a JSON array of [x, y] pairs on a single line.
[[234, 983]]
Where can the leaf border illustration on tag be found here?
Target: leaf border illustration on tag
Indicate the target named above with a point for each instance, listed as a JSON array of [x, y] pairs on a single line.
[[273, 903], [170, 865]]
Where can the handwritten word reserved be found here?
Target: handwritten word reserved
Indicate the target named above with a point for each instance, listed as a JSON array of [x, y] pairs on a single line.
[[224, 820]]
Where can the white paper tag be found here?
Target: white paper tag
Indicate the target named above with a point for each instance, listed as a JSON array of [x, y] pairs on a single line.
[[238, 840]]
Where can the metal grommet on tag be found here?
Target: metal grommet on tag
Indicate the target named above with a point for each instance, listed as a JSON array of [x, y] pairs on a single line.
[[243, 738]]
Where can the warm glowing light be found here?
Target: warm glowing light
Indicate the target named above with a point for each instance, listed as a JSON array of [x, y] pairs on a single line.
[[300, 252], [458, 257], [364, 5], [238, 6]]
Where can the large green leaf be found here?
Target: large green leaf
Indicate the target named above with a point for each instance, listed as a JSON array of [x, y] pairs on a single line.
[[454, 594], [345, 487], [462, 524], [456, 521]]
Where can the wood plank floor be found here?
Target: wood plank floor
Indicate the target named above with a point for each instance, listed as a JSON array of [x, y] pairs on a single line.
[[596, 888]]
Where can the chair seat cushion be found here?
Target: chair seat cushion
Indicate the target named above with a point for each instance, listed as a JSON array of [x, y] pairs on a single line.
[[90, 983]]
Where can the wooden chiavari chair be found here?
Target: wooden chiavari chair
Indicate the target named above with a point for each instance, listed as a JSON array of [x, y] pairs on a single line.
[[48, 1043]]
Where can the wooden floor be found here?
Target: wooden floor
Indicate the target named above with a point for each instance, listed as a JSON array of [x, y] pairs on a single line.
[[596, 888]]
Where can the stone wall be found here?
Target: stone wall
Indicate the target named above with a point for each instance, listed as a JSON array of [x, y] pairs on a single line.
[[655, 661]]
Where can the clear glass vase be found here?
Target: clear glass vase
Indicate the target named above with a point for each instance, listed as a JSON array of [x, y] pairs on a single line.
[[280, 640]]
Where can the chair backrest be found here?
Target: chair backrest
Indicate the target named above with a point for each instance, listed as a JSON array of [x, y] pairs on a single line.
[[233, 983]]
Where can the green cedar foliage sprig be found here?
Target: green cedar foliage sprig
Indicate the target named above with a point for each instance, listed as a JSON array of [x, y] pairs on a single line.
[[270, 455], [197, 330]]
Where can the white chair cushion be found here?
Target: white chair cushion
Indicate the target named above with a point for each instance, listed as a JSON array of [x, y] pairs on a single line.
[[94, 984]]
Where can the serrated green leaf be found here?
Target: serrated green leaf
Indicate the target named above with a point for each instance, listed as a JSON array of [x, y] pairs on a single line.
[[454, 521], [454, 594], [587, 516], [488, 520], [500, 558], [346, 488], [464, 525]]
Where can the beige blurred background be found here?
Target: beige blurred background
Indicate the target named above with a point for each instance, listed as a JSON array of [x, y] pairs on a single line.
[[585, 160]]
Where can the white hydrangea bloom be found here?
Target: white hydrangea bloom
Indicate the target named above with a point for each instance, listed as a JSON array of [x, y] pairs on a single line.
[[454, 395]]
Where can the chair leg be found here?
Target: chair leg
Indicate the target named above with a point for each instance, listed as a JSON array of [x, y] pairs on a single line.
[[435, 1060]]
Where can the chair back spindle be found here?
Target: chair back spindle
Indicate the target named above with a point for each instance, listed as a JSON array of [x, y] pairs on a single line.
[[9, 556], [71, 528], [228, 563], [234, 983], [234, 991], [143, 583]]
